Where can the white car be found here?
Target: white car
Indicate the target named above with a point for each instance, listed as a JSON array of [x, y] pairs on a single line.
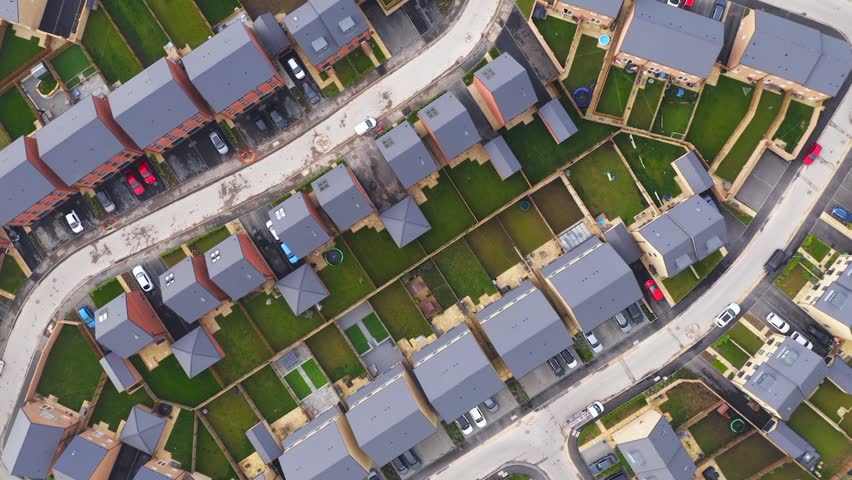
[[593, 342], [296, 69], [595, 409], [464, 425], [729, 313], [272, 230], [777, 322], [2, 365], [142, 278], [622, 322], [800, 339], [365, 126], [477, 417], [674, 3], [74, 222]]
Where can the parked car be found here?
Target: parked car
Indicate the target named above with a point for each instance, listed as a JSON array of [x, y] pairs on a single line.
[[800, 339], [654, 290], [568, 358], [399, 465], [491, 405], [812, 154], [2, 366], [142, 278], [217, 141], [841, 214], [311, 93], [365, 126], [11, 233], [411, 459], [820, 335], [146, 171], [687, 4], [74, 222], [260, 123], [595, 409], [477, 417], [373, 475], [622, 322], [137, 187], [775, 261], [635, 313], [556, 366], [593, 342], [464, 425], [295, 68], [718, 10], [618, 476], [279, 120], [87, 316], [291, 257], [777, 322], [673, 3], [603, 464], [729, 313], [105, 201]]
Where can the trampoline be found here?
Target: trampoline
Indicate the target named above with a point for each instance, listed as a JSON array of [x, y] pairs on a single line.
[[333, 257], [582, 97], [525, 205]]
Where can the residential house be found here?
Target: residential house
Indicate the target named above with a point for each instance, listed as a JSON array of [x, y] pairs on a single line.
[[524, 328], [28, 188], [653, 449], [197, 351], [704, 224], [264, 443], [302, 289], [143, 429], [505, 87], [502, 158], [271, 35], [793, 445], [236, 266], [455, 374], [37, 435], [299, 225], [788, 55], [829, 301], [623, 243], [324, 449], [159, 107], [29, 16], [157, 469], [341, 196], [450, 125], [231, 71], [692, 174], [593, 283], [390, 415], [669, 42], [188, 290], [406, 154], [327, 30], [596, 12], [120, 371], [557, 120], [90, 456], [405, 221], [127, 324]]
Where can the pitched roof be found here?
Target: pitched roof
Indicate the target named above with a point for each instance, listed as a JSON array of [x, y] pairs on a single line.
[[317, 451], [264, 443], [115, 330], [118, 372], [323, 27], [270, 34], [184, 294], [30, 447], [674, 37], [79, 460], [693, 172], [836, 300], [703, 223], [227, 67], [9, 11], [386, 418], [341, 197], [451, 125], [405, 221], [296, 226], [196, 352], [509, 84], [596, 286], [402, 148], [653, 450], [454, 373], [302, 289], [502, 157], [790, 442], [672, 243], [623, 243], [841, 374], [230, 270], [610, 8], [524, 328], [557, 119], [151, 104], [147, 473], [143, 430], [21, 184]]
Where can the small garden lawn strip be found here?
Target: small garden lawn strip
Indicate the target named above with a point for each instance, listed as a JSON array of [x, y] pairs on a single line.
[[16, 51], [748, 458], [12, 278], [243, 347], [399, 313], [789, 471], [181, 439], [586, 66], [70, 62], [103, 42], [493, 247], [269, 394], [793, 127], [209, 458], [621, 413], [745, 338], [463, 272], [346, 283], [558, 34], [651, 162], [645, 105], [15, 114], [231, 416], [334, 354], [106, 292], [557, 206], [314, 373], [139, 27], [767, 109], [614, 198], [298, 384], [357, 339], [719, 112], [731, 352], [217, 10], [113, 407], [616, 92], [684, 282], [526, 228], [169, 382], [204, 242], [815, 248], [673, 116], [375, 327], [446, 212], [182, 21], [830, 443]]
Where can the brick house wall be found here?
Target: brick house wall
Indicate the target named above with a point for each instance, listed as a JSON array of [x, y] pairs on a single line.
[[190, 125], [312, 209], [202, 276], [252, 254], [140, 312], [51, 200], [575, 13], [432, 134], [490, 101], [262, 91]]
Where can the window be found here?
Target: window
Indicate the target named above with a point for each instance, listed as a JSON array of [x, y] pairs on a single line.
[[595, 21], [319, 45], [566, 11]]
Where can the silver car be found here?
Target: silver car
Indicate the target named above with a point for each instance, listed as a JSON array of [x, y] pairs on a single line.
[[217, 141]]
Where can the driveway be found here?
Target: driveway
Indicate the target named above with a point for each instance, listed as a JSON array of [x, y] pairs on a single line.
[[423, 14], [300, 83], [255, 225], [374, 174], [174, 324], [762, 180], [52, 230], [774, 300], [843, 195], [519, 40], [396, 30], [54, 105], [123, 197], [197, 154], [830, 235], [281, 101]]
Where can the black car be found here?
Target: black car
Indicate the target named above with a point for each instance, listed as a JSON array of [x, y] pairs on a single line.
[[311, 93], [820, 335], [635, 313], [556, 366], [260, 123], [603, 464], [400, 465], [776, 260]]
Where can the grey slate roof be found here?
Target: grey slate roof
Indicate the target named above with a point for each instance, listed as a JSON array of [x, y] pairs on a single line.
[[230, 270], [385, 417], [623, 243], [322, 27], [675, 246], [79, 460], [302, 289], [21, 184], [502, 157], [405, 221], [296, 227], [118, 372], [660, 455], [454, 373], [836, 301], [693, 172], [30, 447], [451, 124], [143, 430], [77, 142], [146, 473], [703, 223], [558, 120], [184, 294], [674, 37], [270, 34], [115, 330], [789, 441], [227, 67], [196, 352], [841, 374], [264, 443], [510, 85], [317, 451], [610, 8], [9, 11], [524, 329], [151, 104], [402, 148], [595, 286], [799, 53], [341, 198]]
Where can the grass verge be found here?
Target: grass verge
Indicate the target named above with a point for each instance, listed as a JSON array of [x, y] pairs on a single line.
[[71, 372]]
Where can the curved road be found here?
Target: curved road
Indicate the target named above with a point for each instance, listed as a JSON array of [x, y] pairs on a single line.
[[511, 469]]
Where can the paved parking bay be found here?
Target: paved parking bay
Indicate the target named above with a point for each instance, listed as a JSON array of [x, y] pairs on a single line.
[[197, 154], [762, 180], [173, 323], [396, 30], [843, 195], [774, 300], [519, 40], [833, 238], [374, 174], [53, 231], [735, 227], [283, 102], [53, 106], [121, 194], [255, 224], [423, 14], [596, 451], [434, 447], [300, 83]]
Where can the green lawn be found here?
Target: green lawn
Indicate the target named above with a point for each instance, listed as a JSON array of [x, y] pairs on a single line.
[[526, 228], [298, 384], [732, 353], [557, 206], [687, 400], [629, 408], [347, 283], [217, 10], [183, 23], [614, 198], [314, 373], [243, 347], [482, 188], [204, 242], [463, 272], [795, 123], [588, 433], [586, 66], [744, 147], [104, 44], [16, 51], [399, 313], [748, 457], [169, 382], [334, 355], [467, 78], [493, 247], [15, 114], [269, 394], [720, 111], [846, 424], [830, 443], [352, 67], [525, 6], [172, 257], [651, 161], [106, 292], [276, 320], [72, 371], [673, 116], [230, 415], [829, 400], [742, 217], [139, 27], [745, 338], [645, 105], [11, 275], [445, 211], [559, 34], [681, 284], [381, 258], [70, 63], [437, 285], [181, 439], [789, 471], [357, 339], [209, 459], [711, 433], [616, 92], [815, 248], [113, 407], [375, 327], [795, 276]]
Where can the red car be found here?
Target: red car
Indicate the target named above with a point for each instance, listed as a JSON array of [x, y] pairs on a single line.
[[687, 4], [654, 290], [146, 171], [812, 154], [137, 187]]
